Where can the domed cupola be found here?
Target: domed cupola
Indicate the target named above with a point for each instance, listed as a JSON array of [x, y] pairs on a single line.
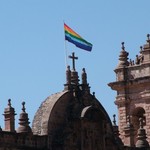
[[74, 117]]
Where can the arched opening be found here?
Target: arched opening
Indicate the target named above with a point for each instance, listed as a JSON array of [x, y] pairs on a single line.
[[138, 113]]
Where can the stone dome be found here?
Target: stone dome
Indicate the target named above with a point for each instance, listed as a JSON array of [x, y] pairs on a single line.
[[74, 117], [46, 112], [59, 108]]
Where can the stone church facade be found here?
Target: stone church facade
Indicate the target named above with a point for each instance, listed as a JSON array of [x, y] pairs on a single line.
[[74, 118], [133, 96]]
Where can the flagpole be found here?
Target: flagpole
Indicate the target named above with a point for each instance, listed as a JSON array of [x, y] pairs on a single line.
[[66, 54], [65, 47]]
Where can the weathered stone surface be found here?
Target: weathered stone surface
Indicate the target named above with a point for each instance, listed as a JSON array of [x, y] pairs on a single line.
[[133, 93]]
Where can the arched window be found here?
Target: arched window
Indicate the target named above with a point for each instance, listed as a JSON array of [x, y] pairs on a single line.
[[138, 113]]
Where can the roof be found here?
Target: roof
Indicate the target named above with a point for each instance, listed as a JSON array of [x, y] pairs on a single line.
[[41, 118]]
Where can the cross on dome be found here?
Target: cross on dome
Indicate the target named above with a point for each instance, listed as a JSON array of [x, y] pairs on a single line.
[[73, 57]]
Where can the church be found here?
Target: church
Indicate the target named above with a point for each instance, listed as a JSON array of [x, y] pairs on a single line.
[[74, 119]]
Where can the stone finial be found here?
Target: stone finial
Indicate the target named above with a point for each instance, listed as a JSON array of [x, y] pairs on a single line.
[[141, 49], [85, 85], [147, 45], [141, 142], [68, 78], [84, 76], [116, 132], [130, 62], [123, 57], [137, 60], [148, 39], [114, 120], [9, 103], [146, 50], [68, 75], [148, 35], [141, 57], [93, 94], [24, 121], [23, 107], [123, 48], [9, 117]]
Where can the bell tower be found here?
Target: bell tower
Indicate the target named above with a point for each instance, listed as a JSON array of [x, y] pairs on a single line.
[[133, 92]]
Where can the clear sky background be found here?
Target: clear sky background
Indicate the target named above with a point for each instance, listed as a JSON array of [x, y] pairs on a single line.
[[32, 49]]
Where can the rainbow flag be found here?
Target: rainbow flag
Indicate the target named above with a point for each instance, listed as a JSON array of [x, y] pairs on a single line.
[[76, 39]]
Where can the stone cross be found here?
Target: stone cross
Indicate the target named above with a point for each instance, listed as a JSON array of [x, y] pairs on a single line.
[[73, 60]]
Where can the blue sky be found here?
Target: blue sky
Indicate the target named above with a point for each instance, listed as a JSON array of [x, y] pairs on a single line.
[[32, 46]]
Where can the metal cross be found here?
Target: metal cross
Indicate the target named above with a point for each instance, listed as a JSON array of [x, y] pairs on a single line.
[[73, 60]]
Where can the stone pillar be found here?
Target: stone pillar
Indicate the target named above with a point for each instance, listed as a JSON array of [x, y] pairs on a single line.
[[68, 79], [85, 85], [121, 102], [9, 117]]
